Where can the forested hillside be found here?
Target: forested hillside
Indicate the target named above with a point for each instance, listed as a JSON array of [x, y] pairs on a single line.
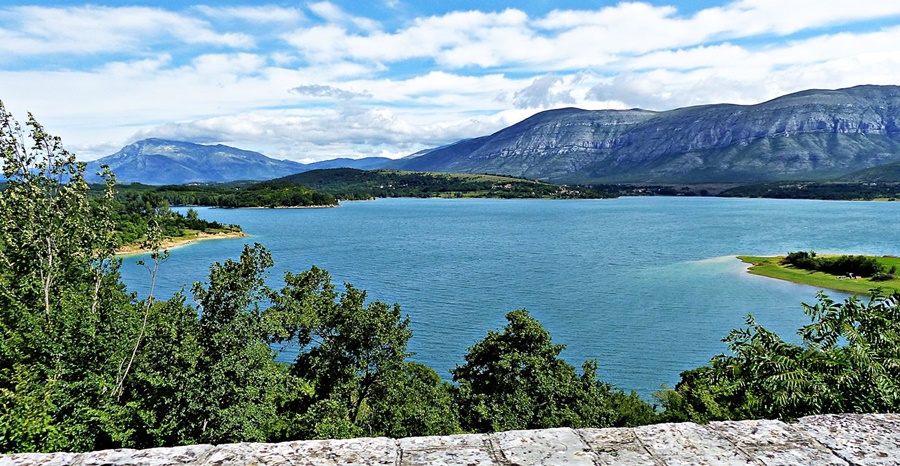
[[349, 183], [264, 194]]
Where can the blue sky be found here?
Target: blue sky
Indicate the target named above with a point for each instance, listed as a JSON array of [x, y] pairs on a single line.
[[316, 80]]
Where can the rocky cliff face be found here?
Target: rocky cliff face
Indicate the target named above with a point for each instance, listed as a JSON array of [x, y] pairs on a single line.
[[814, 134]]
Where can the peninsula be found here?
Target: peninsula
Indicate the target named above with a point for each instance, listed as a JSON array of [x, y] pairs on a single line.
[[176, 242], [780, 268]]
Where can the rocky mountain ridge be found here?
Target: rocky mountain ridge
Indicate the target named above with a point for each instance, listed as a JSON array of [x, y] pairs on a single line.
[[161, 161], [814, 134], [808, 135]]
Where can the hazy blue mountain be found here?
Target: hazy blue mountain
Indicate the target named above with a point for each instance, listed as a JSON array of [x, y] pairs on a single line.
[[160, 161], [815, 134]]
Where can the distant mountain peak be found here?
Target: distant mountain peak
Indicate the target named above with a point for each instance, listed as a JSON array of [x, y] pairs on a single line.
[[163, 161], [159, 161]]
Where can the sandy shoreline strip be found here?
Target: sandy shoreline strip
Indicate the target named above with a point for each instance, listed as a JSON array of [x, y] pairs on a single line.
[[172, 243]]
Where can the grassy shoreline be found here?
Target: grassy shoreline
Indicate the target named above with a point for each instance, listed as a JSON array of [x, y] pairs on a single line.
[[770, 266], [172, 243]]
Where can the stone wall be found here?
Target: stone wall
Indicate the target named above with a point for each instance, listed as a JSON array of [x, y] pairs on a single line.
[[815, 440]]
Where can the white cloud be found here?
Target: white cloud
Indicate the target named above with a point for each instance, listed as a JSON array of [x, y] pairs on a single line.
[[456, 39], [228, 65], [93, 29], [542, 93], [633, 27], [329, 92], [334, 14], [349, 131], [330, 83], [641, 91], [254, 14]]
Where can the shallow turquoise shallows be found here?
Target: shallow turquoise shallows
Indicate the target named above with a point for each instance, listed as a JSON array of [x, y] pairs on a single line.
[[647, 286]]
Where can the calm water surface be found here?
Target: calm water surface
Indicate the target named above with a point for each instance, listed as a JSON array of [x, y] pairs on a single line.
[[647, 286]]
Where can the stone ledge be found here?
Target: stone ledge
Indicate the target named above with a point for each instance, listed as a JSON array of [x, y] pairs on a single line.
[[847, 439]]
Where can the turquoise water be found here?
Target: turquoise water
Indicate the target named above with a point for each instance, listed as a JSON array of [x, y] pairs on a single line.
[[647, 286]]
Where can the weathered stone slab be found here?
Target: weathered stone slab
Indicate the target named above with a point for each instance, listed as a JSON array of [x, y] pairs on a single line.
[[38, 459], [544, 447], [452, 450], [253, 453], [817, 440], [690, 444], [353, 452], [617, 447], [870, 439], [776, 443], [150, 457]]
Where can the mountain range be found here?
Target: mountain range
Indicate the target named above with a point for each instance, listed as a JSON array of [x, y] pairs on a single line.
[[161, 161], [809, 135], [815, 134]]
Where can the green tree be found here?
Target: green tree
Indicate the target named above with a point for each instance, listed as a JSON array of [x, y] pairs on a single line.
[[355, 379], [84, 365], [236, 365], [62, 308], [515, 379], [415, 402], [848, 361]]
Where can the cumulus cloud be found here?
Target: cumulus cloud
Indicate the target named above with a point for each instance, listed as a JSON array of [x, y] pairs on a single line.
[[351, 125], [334, 14], [349, 131], [318, 80], [543, 92], [455, 39], [318, 90], [632, 90], [31, 30], [255, 14]]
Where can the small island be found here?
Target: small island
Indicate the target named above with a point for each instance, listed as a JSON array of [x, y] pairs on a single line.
[[856, 274]]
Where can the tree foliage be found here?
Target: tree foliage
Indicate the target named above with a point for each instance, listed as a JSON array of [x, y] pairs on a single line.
[[353, 362], [264, 194], [515, 379], [861, 266], [86, 365], [352, 183], [133, 211], [848, 362], [830, 190], [61, 308]]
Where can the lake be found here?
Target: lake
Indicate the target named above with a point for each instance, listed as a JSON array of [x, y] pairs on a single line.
[[648, 286]]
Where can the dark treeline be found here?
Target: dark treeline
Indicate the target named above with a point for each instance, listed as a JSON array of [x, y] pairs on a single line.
[[860, 266], [264, 194], [834, 191], [86, 365], [354, 184]]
